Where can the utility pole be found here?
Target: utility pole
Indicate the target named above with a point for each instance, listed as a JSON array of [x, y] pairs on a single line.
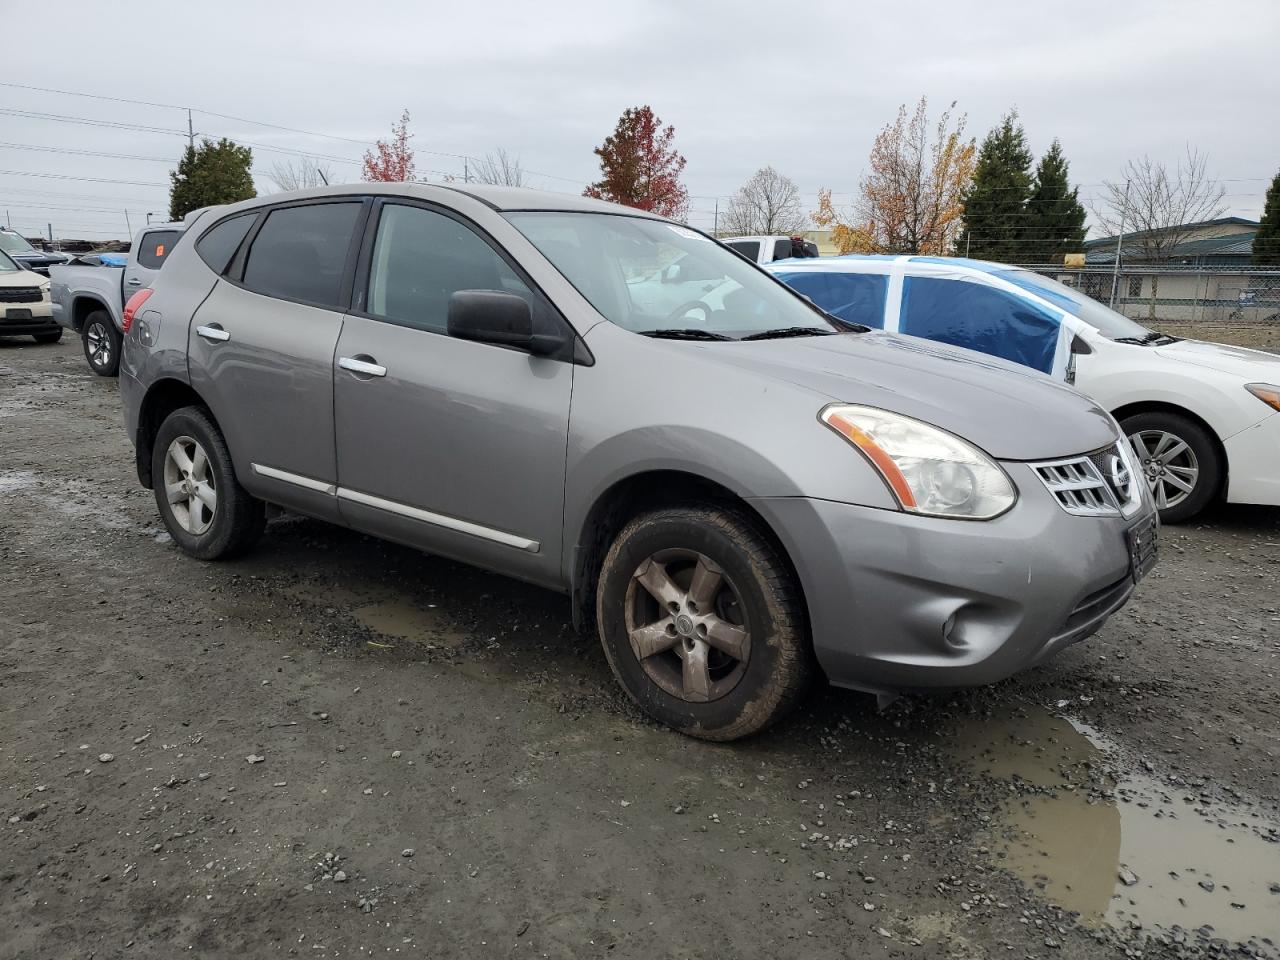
[[7, 222], [191, 132], [128, 226], [1115, 270], [50, 234], [466, 171], [715, 230]]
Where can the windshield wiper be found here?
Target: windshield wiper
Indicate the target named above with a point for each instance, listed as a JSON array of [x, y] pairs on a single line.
[[689, 334], [782, 332], [1150, 337]]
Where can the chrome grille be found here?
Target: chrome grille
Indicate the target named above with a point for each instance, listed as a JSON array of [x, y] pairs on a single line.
[[1098, 484], [20, 295]]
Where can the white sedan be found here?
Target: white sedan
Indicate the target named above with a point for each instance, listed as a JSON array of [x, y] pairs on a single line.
[[1204, 418]]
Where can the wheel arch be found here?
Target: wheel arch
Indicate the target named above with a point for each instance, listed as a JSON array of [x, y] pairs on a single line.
[[85, 304], [162, 398], [1162, 406], [635, 494]]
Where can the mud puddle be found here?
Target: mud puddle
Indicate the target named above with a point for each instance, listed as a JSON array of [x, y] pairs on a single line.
[[394, 617], [1117, 846]]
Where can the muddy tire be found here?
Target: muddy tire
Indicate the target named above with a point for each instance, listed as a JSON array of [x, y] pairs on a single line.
[[1180, 462], [702, 622], [101, 343], [204, 508], [53, 337]]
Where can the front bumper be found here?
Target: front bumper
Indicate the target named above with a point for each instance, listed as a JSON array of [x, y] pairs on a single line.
[[19, 319], [1253, 459], [898, 601]]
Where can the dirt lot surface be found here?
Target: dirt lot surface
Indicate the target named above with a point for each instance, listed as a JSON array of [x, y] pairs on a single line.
[[1258, 336], [336, 747]]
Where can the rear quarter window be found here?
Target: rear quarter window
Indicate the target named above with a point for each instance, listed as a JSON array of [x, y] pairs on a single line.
[[155, 247], [219, 245], [748, 248]]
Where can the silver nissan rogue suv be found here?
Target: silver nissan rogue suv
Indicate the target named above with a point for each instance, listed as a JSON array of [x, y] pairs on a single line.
[[736, 489]]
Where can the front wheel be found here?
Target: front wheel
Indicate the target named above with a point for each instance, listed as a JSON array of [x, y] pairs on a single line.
[[206, 511], [101, 343], [1179, 460], [702, 622]]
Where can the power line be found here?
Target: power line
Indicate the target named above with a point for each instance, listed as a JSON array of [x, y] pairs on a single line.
[[85, 153], [63, 176], [63, 118]]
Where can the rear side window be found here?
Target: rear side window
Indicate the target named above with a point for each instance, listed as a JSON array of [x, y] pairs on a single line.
[[782, 250], [421, 258], [300, 253], [155, 247], [219, 245], [973, 315], [748, 248], [856, 297]]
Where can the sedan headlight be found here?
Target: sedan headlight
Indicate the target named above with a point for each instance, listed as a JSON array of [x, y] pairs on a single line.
[[930, 471], [1266, 392]]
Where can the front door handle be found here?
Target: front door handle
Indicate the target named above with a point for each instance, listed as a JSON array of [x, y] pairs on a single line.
[[213, 332], [362, 365], [134, 282]]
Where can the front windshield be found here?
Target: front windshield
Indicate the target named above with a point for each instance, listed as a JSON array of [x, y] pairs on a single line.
[[1110, 324], [7, 265], [13, 243], [660, 279]]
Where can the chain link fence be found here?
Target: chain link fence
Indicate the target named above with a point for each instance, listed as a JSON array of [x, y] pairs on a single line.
[[1179, 294]]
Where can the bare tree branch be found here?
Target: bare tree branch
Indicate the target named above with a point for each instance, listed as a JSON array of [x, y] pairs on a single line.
[[1154, 206], [502, 168], [768, 203], [300, 174]]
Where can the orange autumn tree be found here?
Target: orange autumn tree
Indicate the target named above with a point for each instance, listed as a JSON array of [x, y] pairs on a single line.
[[911, 201]]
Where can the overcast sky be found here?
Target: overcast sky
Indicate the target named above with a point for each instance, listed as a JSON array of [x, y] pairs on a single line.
[[803, 86]]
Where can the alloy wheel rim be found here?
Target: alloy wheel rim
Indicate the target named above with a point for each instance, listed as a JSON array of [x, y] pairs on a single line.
[[687, 625], [99, 345], [189, 485], [1168, 464]]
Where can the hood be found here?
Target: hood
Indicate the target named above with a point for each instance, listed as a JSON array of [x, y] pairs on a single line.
[[1010, 411], [1250, 365], [23, 278]]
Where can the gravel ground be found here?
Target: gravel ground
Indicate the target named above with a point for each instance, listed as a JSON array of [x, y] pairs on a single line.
[[337, 747]]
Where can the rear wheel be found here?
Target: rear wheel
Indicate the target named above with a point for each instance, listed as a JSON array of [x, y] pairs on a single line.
[[702, 623], [101, 343], [206, 511], [1179, 460], [53, 337]]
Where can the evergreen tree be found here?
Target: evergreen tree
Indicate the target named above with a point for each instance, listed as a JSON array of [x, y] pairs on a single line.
[[995, 206], [1054, 224], [209, 174], [1266, 245]]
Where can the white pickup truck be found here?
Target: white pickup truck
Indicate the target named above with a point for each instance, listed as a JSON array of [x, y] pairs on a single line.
[[89, 293], [764, 250]]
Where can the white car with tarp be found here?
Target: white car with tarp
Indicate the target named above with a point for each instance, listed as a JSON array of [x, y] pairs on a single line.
[[1204, 418]]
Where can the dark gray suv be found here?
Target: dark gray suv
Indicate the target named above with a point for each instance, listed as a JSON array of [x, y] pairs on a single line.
[[736, 489]]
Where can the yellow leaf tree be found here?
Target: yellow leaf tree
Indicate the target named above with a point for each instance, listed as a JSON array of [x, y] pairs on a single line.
[[911, 200]]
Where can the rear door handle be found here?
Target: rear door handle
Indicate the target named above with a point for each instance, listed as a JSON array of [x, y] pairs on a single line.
[[362, 365], [213, 332]]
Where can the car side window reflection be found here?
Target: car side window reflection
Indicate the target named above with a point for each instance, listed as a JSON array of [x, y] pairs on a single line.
[[421, 258]]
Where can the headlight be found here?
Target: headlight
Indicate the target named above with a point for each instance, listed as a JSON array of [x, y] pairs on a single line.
[[1266, 392], [44, 291], [929, 470]]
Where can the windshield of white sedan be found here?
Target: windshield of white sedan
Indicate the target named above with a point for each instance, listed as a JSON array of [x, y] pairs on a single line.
[[663, 280], [1110, 324]]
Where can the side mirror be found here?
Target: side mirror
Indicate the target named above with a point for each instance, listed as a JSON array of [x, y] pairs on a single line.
[[490, 316]]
